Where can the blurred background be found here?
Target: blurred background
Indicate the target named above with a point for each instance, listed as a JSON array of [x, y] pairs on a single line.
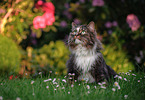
[[33, 34]]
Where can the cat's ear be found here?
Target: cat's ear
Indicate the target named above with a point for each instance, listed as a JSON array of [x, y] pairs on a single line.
[[91, 26], [73, 25]]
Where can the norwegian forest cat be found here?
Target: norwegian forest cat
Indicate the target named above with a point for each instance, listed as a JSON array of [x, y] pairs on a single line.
[[86, 61]]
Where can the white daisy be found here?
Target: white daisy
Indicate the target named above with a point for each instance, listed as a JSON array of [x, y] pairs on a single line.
[[64, 80], [88, 87], [113, 89], [125, 96], [32, 82], [47, 87], [18, 98]]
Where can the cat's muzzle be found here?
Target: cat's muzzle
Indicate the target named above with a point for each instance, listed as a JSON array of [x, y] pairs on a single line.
[[77, 41]]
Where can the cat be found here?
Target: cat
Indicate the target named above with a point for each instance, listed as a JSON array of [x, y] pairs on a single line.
[[86, 61]]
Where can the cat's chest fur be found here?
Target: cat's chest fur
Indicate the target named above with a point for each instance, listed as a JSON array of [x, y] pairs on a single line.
[[84, 60], [84, 63]]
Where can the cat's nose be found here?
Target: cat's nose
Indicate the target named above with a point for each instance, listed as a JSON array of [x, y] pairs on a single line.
[[76, 37]]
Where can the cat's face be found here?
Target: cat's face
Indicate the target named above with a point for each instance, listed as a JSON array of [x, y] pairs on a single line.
[[84, 35]]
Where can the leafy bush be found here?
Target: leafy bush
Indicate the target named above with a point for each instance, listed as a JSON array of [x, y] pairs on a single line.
[[9, 56], [54, 55], [117, 59]]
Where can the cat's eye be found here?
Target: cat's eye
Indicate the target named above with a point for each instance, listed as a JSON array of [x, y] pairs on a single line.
[[75, 31], [83, 32]]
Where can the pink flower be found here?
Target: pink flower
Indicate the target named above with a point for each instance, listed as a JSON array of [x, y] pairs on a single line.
[[77, 21], [114, 23], [109, 31], [48, 7], [98, 3], [63, 24], [133, 22], [67, 14], [66, 5], [39, 22], [49, 18], [108, 24], [82, 1], [39, 3]]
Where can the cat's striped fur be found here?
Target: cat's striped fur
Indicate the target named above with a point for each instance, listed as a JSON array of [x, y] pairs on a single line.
[[86, 60]]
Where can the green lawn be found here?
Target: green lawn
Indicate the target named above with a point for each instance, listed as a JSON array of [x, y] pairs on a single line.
[[130, 86]]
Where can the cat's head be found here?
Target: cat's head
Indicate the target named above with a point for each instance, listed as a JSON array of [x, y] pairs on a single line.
[[84, 35]]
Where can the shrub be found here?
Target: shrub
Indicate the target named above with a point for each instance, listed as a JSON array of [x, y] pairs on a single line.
[[54, 55], [117, 59], [9, 56]]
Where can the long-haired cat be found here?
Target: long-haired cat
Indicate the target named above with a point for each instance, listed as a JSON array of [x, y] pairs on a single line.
[[86, 60]]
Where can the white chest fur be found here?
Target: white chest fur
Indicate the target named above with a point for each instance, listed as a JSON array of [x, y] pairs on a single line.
[[84, 59], [84, 63]]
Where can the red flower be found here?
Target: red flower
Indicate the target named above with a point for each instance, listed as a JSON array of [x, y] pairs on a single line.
[[49, 18], [48, 7], [11, 77], [16, 76], [39, 22], [133, 22]]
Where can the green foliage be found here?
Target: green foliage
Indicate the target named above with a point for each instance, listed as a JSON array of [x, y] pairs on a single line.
[[55, 55], [16, 25], [117, 59], [9, 56]]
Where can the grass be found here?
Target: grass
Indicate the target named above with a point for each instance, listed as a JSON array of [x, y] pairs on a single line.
[[130, 86]]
